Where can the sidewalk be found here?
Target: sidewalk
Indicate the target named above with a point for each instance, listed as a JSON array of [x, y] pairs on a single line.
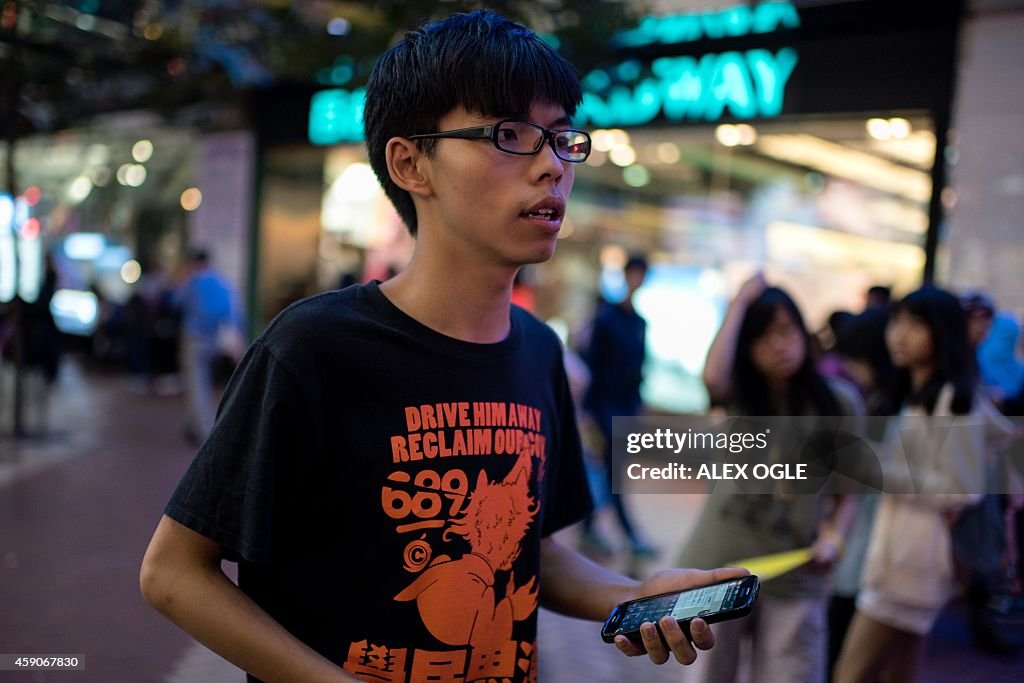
[[77, 509]]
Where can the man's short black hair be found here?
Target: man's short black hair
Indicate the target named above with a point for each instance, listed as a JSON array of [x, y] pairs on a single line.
[[482, 61]]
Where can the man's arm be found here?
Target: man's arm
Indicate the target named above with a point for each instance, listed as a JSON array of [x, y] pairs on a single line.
[[181, 577], [573, 585]]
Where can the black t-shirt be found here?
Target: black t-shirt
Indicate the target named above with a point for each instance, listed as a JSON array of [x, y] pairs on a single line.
[[385, 488]]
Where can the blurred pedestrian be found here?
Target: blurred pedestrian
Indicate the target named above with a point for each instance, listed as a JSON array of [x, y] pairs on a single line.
[[981, 537], [760, 364], [1002, 372], [980, 310], [878, 297], [137, 320], [211, 325], [615, 355], [392, 459], [41, 346], [167, 335], [829, 362], [1002, 369], [864, 356], [908, 574], [865, 359], [42, 341], [152, 347]]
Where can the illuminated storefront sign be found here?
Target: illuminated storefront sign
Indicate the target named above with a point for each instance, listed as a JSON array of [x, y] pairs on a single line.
[[729, 22], [8, 260], [21, 253], [336, 115], [708, 87], [741, 85]]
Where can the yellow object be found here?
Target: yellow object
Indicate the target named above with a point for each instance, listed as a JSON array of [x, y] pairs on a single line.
[[767, 567]]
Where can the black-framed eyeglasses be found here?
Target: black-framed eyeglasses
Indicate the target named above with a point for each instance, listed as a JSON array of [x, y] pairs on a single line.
[[524, 138]]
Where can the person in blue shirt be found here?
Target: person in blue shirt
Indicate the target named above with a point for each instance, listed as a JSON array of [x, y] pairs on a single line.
[[211, 325]]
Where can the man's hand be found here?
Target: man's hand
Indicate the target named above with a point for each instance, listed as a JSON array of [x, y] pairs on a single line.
[[672, 639]]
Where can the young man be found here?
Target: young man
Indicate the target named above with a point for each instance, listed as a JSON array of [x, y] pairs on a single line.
[[390, 460]]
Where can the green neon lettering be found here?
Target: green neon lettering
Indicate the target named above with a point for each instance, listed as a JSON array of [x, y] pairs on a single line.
[[736, 21], [641, 35], [682, 87], [637, 106], [707, 68], [680, 29], [597, 80], [730, 22], [769, 16], [647, 102], [746, 85], [594, 110], [336, 116], [628, 70], [712, 24], [771, 74], [731, 87]]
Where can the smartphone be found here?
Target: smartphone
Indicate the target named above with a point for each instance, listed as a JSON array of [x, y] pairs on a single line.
[[715, 602]]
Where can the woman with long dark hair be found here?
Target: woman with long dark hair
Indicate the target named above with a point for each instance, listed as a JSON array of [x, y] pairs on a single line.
[[760, 364], [938, 471]]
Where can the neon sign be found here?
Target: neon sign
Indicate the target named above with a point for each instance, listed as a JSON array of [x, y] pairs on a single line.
[[336, 116], [742, 85], [729, 22]]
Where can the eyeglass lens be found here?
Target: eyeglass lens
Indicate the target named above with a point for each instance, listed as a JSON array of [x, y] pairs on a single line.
[[520, 137]]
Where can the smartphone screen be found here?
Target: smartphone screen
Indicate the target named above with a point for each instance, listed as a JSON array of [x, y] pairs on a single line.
[[736, 594]]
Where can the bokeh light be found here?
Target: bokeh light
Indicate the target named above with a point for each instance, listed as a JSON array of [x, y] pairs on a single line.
[[142, 151], [623, 155], [636, 176], [32, 195], [727, 134], [191, 199], [131, 271]]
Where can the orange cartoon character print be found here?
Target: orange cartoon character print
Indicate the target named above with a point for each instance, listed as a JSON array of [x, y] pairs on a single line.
[[457, 599]]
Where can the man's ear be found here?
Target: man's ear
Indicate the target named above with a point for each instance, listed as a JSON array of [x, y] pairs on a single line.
[[405, 166]]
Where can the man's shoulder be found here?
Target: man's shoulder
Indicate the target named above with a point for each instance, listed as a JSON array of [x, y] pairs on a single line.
[[535, 330], [329, 315]]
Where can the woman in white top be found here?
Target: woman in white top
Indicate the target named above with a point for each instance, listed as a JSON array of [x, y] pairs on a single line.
[[936, 459]]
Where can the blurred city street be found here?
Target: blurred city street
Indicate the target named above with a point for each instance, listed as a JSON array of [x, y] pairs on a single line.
[[77, 507]]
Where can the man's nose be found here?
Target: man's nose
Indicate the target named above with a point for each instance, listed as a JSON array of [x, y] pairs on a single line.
[[549, 164]]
